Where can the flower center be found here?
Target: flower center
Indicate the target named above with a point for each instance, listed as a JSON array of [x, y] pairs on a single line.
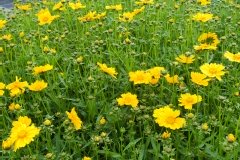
[[170, 120], [22, 134], [212, 70]]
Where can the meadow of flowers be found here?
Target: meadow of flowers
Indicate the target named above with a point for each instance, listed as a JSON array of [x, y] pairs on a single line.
[[120, 79]]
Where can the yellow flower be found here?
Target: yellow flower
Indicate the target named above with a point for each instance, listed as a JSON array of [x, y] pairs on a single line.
[[22, 133], [204, 2], [155, 73], [213, 70], [144, 2], [14, 106], [2, 23], [231, 138], [117, 7], [172, 80], [138, 10], [91, 16], [45, 17], [86, 158], [7, 37], [74, 119], [202, 17], [140, 77], [199, 78], [109, 70], [6, 144], [76, 6], [167, 117], [166, 135], [128, 99], [126, 17], [58, 6], [37, 85], [232, 57], [185, 59], [188, 100], [207, 41], [41, 69], [17, 87], [24, 7], [2, 87]]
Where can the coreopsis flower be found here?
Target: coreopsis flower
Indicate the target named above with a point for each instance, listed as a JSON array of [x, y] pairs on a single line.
[[14, 106], [41, 69], [144, 2], [138, 10], [128, 99], [37, 85], [204, 2], [213, 70], [2, 87], [109, 70], [22, 133], [117, 7], [16, 88], [75, 119], [7, 37], [58, 6], [45, 17], [231, 138], [2, 23], [188, 59], [86, 158], [169, 118], [172, 79], [155, 73], [199, 79], [166, 135], [202, 17], [188, 100], [24, 7], [232, 57], [91, 16], [140, 77], [126, 17], [207, 41], [76, 6]]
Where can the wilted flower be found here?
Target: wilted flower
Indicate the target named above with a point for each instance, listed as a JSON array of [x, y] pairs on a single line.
[[109, 70], [231, 138], [172, 80], [76, 6]]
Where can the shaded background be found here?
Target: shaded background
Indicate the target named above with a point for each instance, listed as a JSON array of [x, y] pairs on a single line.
[[6, 3]]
